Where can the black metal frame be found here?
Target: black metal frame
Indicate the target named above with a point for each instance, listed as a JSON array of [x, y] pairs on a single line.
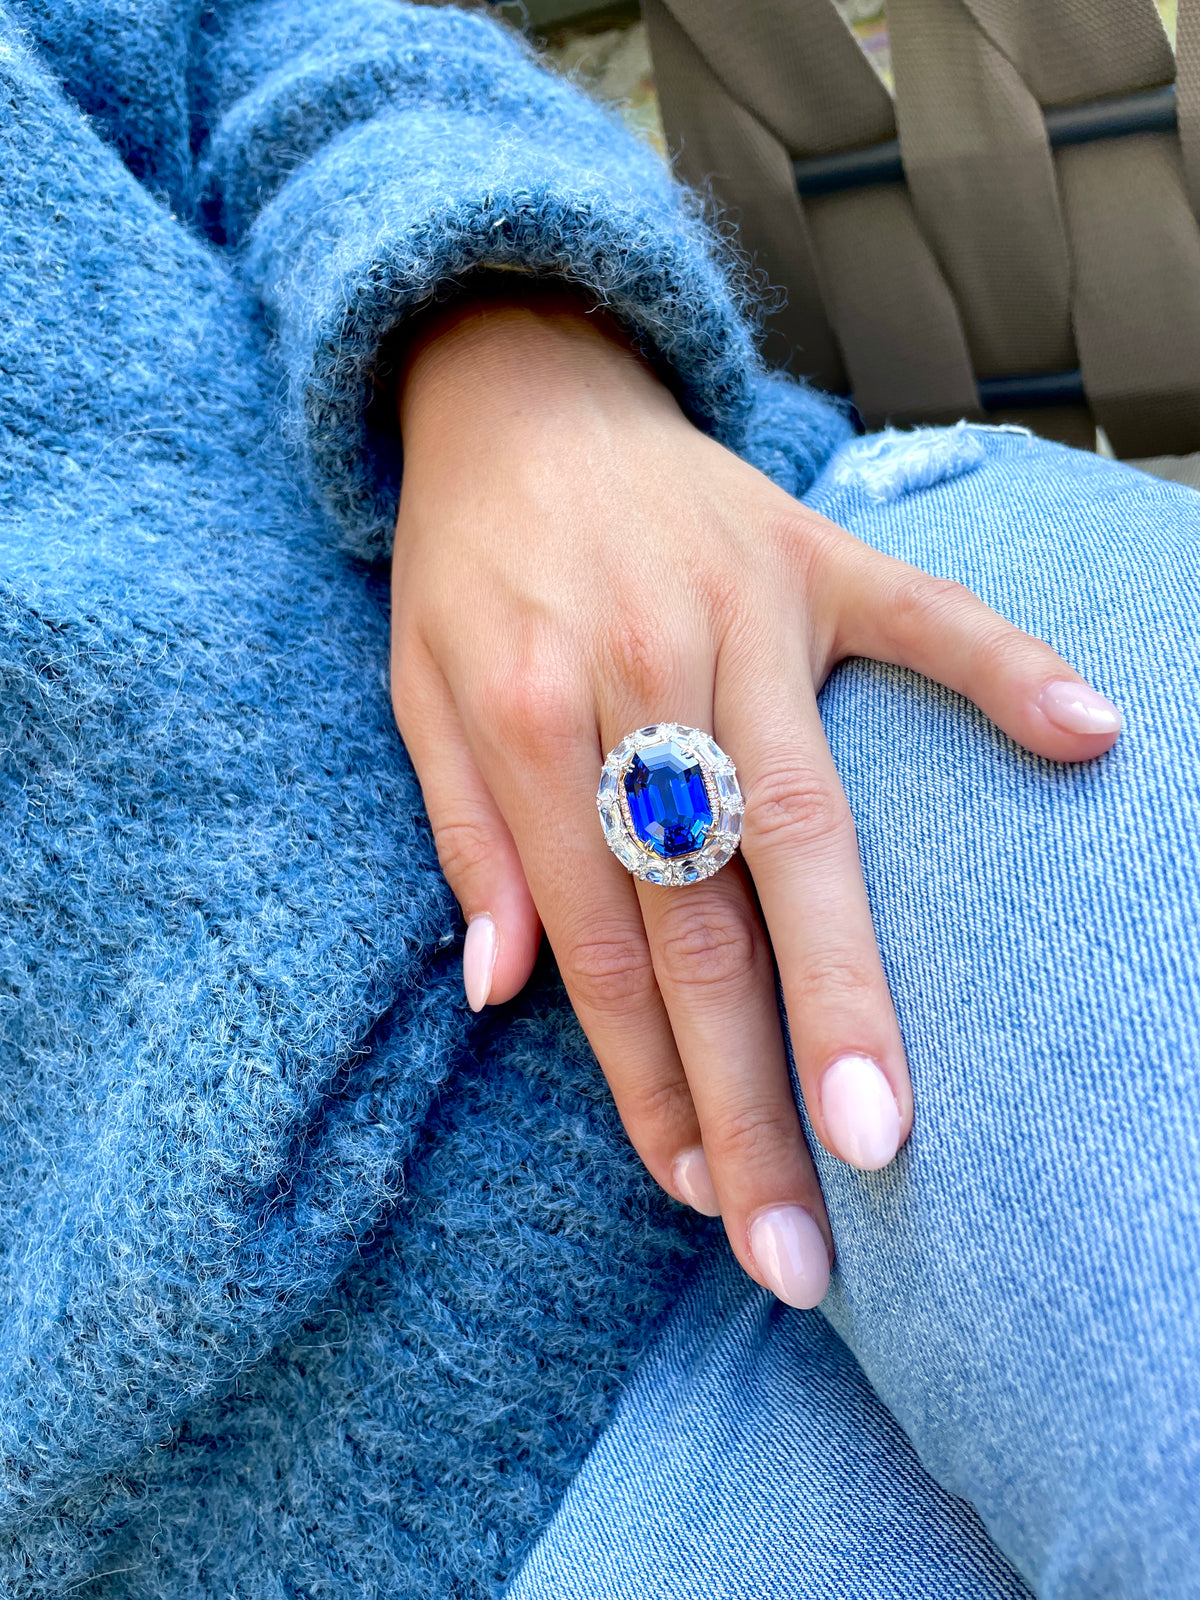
[[552, 16], [1149, 111]]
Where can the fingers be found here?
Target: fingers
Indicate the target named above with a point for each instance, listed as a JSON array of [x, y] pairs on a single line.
[[677, 999], [892, 612], [714, 968], [799, 842], [592, 918], [715, 972], [475, 848]]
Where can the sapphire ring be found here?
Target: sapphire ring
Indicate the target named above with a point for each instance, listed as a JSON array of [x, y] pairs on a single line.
[[670, 805]]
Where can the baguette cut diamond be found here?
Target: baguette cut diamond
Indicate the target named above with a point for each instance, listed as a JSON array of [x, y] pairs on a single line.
[[668, 802]]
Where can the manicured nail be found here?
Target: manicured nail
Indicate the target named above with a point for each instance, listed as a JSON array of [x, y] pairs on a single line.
[[1075, 708], [860, 1112], [479, 960], [694, 1182], [791, 1256]]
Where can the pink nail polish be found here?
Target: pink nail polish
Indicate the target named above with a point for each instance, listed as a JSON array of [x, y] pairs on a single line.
[[791, 1255], [1076, 708], [862, 1119], [479, 960], [694, 1182]]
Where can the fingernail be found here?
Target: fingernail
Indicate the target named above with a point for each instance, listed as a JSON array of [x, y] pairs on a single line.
[[791, 1256], [479, 960], [694, 1182], [1075, 708], [860, 1112]]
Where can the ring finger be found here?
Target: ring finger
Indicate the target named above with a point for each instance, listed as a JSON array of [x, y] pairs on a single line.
[[713, 964]]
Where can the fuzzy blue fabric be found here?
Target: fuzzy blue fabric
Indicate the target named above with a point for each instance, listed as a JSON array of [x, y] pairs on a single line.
[[309, 1284]]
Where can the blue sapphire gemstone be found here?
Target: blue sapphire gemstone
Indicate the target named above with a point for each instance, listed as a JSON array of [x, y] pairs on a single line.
[[668, 803]]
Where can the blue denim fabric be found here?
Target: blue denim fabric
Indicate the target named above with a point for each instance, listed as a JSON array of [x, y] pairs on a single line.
[[751, 1461], [1021, 1288]]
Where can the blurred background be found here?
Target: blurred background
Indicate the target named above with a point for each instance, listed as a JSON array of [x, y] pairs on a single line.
[[604, 48], [975, 280]]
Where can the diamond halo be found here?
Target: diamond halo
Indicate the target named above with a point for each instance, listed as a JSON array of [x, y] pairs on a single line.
[[672, 747]]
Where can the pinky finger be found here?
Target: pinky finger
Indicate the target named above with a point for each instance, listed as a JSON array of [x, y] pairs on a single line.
[[475, 848]]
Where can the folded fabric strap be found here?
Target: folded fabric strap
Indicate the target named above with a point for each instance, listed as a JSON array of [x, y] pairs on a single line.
[[998, 258]]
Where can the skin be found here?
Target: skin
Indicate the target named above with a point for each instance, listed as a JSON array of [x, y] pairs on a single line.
[[548, 474]]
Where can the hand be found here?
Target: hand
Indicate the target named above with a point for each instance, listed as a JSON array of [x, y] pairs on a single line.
[[574, 560]]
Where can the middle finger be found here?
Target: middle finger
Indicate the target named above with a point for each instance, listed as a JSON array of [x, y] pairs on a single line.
[[713, 964]]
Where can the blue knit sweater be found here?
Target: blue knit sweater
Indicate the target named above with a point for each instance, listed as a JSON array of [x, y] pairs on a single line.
[[308, 1285]]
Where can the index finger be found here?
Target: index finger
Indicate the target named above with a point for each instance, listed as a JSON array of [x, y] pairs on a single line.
[[799, 841]]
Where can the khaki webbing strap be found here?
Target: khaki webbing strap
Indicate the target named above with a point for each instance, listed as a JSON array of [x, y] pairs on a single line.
[[1187, 95], [1079, 49], [742, 95], [1136, 253], [796, 66], [1093, 248], [1033, 260], [716, 143], [981, 177], [894, 313]]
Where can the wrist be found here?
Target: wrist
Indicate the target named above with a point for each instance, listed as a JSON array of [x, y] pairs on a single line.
[[518, 356]]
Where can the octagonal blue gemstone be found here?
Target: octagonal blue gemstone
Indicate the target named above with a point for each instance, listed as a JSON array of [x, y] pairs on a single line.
[[668, 803]]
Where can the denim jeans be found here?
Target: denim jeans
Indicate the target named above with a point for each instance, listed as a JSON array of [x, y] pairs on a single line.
[[1011, 1342]]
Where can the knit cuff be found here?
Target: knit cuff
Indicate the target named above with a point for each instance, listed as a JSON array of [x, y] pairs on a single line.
[[364, 234], [366, 156]]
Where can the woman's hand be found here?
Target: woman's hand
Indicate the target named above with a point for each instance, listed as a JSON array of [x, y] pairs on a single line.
[[575, 560]]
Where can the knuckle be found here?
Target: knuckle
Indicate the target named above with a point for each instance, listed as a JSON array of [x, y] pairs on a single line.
[[610, 973], [789, 803], [803, 539], [702, 945], [927, 611], [754, 1135], [849, 982], [641, 659], [1002, 650], [722, 592], [663, 1106], [406, 680], [403, 701], [921, 603], [531, 709], [464, 849]]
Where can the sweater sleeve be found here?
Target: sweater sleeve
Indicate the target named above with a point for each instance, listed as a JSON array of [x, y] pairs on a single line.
[[359, 158]]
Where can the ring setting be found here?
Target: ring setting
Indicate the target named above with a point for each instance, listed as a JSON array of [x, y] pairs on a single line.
[[670, 804]]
